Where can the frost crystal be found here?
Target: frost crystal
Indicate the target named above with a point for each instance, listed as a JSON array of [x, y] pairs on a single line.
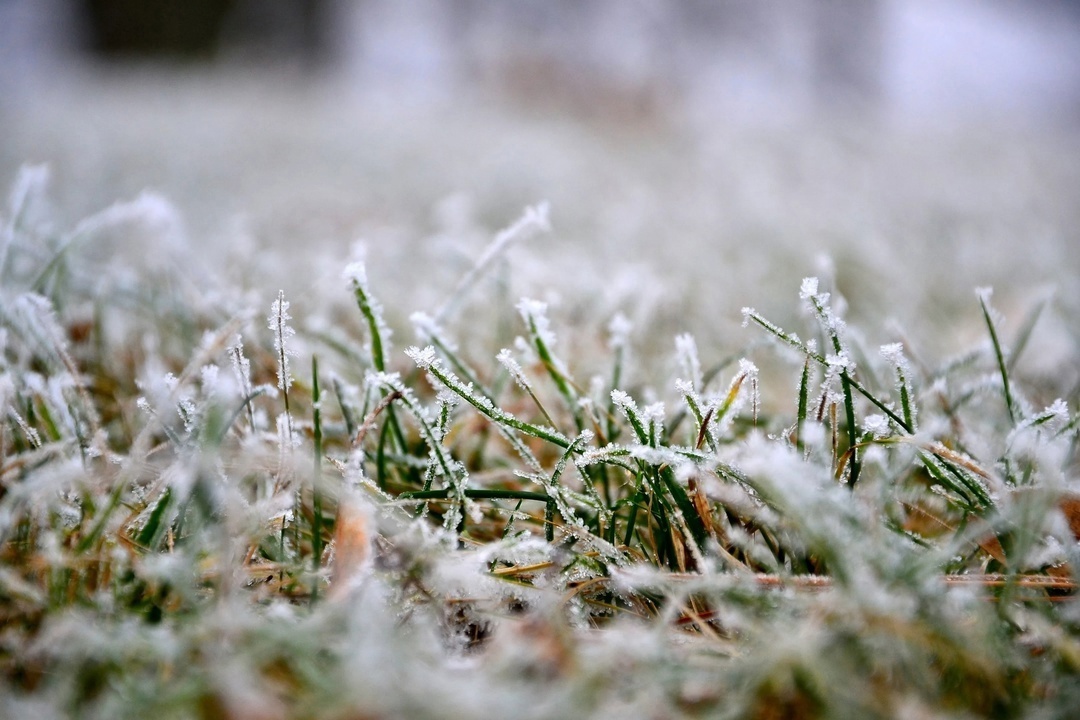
[[356, 272], [534, 313], [241, 366], [653, 412], [622, 400], [1059, 410], [809, 288], [424, 359], [749, 371], [278, 322], [878, 425], [841, 361], [506, 359], [747, 313], [894, 354]]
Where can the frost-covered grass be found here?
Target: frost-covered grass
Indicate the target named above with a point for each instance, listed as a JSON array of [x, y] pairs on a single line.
[[210, 508]]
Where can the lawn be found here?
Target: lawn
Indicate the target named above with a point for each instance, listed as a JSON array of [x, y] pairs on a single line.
[[527, 449]]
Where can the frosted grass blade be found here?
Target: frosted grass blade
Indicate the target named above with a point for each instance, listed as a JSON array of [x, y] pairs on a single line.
[[984, 303]]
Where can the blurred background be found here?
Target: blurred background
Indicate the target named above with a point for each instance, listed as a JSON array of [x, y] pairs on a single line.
[[907, 59], [699, 156]]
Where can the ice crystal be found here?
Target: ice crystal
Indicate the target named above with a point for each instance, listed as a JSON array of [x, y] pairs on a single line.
[[278, 323], [241, 366], [653, 413], [877, 425], [894, 354], [534, 313], [424, 358], [506, 359], [623, 400], [840, 361], [356, 273]]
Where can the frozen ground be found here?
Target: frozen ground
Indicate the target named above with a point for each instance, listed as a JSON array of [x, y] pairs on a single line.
[[648, 541]]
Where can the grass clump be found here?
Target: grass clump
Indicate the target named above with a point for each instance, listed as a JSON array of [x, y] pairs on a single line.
[[439, 533]]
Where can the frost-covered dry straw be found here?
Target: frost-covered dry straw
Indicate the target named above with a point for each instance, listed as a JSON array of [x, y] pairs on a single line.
[[506, 359], [278, 323], [242, 369]]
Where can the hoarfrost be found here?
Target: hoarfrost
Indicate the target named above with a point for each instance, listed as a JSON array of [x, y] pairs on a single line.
[[840, 361], [747, 368], [506, 359], [356, 273], [534, 313], [278, 323], [653, 413], [877, 425], [424, 359], [241, 366], [894, 354], [622, 400]]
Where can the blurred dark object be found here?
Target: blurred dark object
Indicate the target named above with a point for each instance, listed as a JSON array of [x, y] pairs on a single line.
[[282, 30], [155, 27]]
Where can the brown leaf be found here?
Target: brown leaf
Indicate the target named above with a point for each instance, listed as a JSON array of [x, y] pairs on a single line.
[[353, 533]]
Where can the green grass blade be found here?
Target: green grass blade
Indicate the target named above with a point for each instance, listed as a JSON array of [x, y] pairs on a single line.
[[999, 354], [800, 415], [154, 529], [316, 477], [490, 410]]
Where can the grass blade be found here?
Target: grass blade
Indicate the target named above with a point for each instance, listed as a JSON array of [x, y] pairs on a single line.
[[999, 354]]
